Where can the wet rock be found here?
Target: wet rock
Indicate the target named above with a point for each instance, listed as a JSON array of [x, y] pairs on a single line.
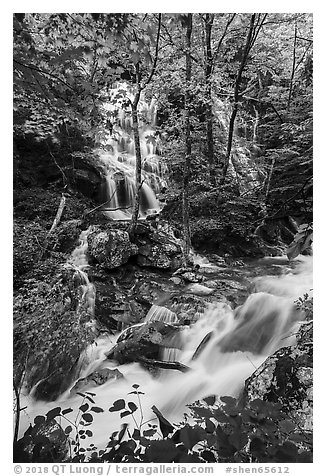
[[211, 283], [192, 277], [95, 378], [145, 341], [199, 290], [229, 289], [110, 248], [218, 260], [150, 292], [176, 280], [183, 269], [114, 303], [45, 442], [286, 378], [157, 248]]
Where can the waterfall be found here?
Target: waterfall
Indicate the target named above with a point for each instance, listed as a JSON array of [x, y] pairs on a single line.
[[79, 263], [222, 349], [117, 153]]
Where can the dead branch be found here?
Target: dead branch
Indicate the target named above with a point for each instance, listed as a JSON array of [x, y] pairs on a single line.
[[101, 205], [55, 223], [58, 216]]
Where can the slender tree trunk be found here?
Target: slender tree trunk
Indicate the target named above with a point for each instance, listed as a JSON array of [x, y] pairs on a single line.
[[209, 19], [269, 178], [186, 173], [138, 181], [135, 126], [17, 412], [243, 63], [255, 128], [256, 109], [293, 65]]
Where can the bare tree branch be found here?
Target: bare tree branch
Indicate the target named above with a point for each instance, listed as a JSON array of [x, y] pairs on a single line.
[[34, 68]]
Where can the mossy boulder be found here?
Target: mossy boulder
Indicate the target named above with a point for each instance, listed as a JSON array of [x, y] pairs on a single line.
[[110, 248]]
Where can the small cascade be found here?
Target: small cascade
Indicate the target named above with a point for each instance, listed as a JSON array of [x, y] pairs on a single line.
[[118, 156], [295, 282], [162, 314], [79, 263]]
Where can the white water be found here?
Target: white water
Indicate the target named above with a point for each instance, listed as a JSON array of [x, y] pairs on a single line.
[[239, 343], [118, 156], [79, 263]]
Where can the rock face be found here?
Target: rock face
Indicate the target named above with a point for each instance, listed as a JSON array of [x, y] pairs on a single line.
[[286, 377], [110, 248], [86, 174], [157, 248]]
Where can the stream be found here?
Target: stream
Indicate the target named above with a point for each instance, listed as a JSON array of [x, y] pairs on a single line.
[[222, 348]]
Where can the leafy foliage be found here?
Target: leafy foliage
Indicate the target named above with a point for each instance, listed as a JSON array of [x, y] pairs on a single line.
[[223, 431], [302, 241]]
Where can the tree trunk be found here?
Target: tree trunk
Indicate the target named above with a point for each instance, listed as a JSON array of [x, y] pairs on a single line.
[[138, 181], [209, 19], [255, 128], [17, 412], [163, 364], [244, 59], [293, 65], [135, 126], [186, 173]]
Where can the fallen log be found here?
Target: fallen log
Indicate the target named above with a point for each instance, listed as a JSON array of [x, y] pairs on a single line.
[[163, 364]]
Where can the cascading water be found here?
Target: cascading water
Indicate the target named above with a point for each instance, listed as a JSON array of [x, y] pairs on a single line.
[[222, 349], [118, 156], [79, 263], [162, 314]]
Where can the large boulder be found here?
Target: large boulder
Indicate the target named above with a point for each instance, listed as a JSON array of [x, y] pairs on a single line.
[[110, 248], [144, 341], [286, 378], [157, 247]]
